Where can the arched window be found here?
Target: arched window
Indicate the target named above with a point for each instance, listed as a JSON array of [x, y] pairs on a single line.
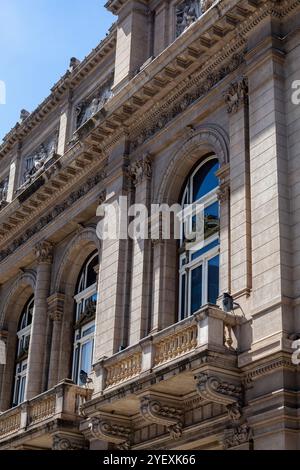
[[85, 310], [199, 256], [23, 337]]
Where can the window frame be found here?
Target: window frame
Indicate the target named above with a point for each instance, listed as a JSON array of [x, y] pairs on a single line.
[[186, 268], [80, 299]]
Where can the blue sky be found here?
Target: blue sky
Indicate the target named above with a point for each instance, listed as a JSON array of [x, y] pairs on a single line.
[[37, 40]]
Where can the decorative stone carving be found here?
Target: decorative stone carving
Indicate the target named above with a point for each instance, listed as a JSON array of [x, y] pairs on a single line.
[[213, 389], [66, 442], [164, 414], [112, 432], [194, 91], [35, 163], [55, 212], [188, 11], [236, 95], [43, 252], [223, 193], [24, 115], [3, 191], [141, 170], [239, 431], [237, 435], [90, 106]]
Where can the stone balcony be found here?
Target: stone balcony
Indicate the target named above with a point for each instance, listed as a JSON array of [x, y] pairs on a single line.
[[40, 422], [157, 380]]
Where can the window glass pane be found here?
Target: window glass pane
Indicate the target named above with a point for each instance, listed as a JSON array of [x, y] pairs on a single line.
[[211, 220], [22, 389], [205, 179], [75, 365], [196, 289], [86, 357], [91, 274], [213, 279], [182, 306], [205, 249], [88, 331]]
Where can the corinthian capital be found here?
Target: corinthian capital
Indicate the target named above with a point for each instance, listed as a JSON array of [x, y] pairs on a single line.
[[236, 95], [141, 170], [43, 252]]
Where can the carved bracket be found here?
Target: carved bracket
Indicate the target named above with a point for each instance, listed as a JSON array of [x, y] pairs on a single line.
[[63, 441], [111, 431], [154, 411], [212, 388]]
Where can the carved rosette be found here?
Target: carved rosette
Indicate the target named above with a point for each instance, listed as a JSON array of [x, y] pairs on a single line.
[[236, 95], [44, 252], [113, 432], [155, 412], [141, 170], [213, 389]]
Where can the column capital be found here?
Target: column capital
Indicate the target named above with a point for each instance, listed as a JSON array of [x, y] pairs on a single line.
[[141, 169], [43, 252], [236, 95]]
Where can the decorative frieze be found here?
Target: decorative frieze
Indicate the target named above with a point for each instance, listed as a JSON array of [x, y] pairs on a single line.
[[196, 90], [111, 431], [53, 213], [236, 95], [155, 411]]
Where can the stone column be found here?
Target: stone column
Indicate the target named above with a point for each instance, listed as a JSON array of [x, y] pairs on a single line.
[[114, 275], [140, 304], [55, 312], [271, 230], [164, 284], [240, 204], [43, 253]]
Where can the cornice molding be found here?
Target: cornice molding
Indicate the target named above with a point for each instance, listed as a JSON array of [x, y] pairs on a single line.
[[52, 214]]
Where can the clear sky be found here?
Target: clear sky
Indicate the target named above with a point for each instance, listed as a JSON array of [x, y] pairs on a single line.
[[37, 40]]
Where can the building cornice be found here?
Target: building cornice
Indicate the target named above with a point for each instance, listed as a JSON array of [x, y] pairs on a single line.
[[68, 81]]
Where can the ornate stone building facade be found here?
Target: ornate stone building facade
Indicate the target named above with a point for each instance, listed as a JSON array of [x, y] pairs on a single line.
[[125, 343]]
